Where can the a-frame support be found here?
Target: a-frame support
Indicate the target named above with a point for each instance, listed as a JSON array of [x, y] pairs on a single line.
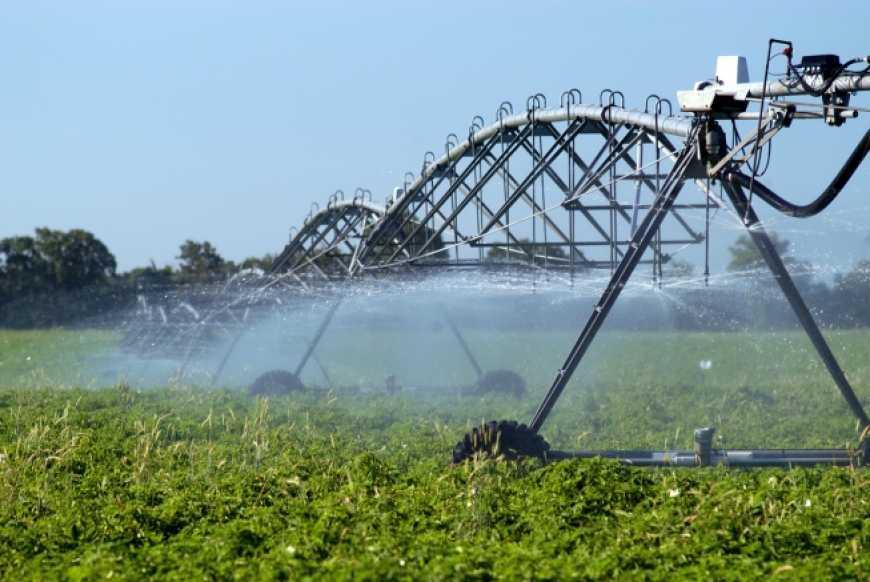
[[777, 267], [216, 375], [460, 339], [639, 243], [641, 240], [318, 335], [309, 350], [321, 330]]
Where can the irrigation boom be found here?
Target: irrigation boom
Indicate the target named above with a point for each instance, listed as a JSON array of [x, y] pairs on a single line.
[[586, 186]]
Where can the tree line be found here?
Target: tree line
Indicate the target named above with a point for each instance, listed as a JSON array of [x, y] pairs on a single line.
[[59, 277]]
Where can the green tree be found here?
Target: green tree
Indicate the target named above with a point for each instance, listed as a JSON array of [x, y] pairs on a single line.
[[22, 266], [152, 275], [54, 259], [852, 293], [745, 255], [75, 258], [200, 261], [55, 277], [263, 263]]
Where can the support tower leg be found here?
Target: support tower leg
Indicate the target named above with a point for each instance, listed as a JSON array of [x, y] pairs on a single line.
[[327, 319], [641, 240], [774, 262], [462, 343]]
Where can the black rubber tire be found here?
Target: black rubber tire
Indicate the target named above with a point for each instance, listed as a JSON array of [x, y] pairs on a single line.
[[504, 439], [276, 383], [501, 382]]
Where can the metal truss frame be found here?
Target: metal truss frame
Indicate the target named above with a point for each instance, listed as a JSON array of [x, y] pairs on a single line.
[[484, 201], [466, 199]]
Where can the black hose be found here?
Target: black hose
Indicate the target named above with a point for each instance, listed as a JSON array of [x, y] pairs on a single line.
[[824, 199]]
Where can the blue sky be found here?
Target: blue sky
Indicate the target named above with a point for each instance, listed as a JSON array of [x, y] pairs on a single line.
[[152, 122]]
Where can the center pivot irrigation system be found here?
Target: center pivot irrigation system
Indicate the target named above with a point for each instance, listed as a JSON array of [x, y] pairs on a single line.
[[575, 188]]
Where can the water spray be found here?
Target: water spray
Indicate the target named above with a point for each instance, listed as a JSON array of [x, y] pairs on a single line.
[[486, 193]]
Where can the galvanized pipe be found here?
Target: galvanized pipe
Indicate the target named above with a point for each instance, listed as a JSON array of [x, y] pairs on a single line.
[[726, 457], [673, 125], [845, 83]]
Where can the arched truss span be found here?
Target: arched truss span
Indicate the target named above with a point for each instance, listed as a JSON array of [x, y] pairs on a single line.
[[555, 188], [327, 243], [580, 187], [560, 188]]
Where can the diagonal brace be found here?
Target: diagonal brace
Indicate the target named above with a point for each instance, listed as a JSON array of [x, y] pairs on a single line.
[[639, 243], [774, 262], [327, 319]]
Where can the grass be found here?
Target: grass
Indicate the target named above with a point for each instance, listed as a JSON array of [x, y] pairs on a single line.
[[52, 357], [179, 481]]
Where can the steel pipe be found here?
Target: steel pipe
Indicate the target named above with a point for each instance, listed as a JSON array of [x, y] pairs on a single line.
[[672, 125], [846, 83], [727, 457]]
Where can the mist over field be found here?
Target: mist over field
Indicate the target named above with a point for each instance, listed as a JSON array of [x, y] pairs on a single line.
[[695, 347]]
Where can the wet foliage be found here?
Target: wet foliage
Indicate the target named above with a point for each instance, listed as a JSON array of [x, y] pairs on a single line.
[[181, 483]]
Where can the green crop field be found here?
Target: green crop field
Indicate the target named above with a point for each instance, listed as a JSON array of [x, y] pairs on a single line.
[[106, 477]]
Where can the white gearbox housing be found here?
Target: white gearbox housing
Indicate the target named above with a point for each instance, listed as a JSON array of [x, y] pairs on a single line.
[[707, 96]]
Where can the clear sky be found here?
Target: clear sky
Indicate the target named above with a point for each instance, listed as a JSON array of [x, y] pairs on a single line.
[[152, 122]]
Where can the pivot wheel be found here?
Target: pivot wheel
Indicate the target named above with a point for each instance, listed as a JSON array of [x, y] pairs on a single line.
[[504, 438], [501, 382], [276, 383]]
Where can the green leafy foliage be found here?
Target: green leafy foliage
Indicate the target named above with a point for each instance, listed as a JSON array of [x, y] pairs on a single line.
[[54, 259], [200, 261]]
